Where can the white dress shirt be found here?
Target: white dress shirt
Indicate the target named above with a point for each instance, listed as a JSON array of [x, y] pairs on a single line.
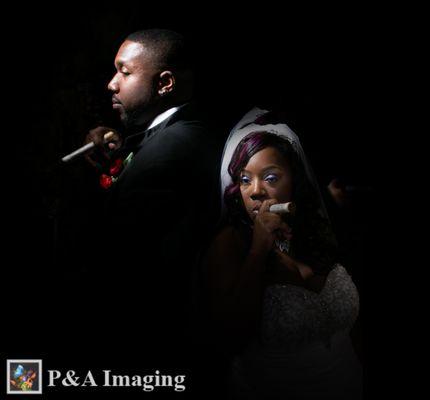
[[163, 116]]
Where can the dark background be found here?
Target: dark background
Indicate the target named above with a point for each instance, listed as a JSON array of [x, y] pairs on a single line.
[[311, 64]]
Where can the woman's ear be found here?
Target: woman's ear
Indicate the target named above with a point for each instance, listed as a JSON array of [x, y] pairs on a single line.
[[166, 83]]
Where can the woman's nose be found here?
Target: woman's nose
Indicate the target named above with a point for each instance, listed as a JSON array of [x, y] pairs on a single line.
[[258, 190]]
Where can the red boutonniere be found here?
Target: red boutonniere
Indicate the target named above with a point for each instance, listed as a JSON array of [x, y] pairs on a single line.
[[106, 181], [116, 167]]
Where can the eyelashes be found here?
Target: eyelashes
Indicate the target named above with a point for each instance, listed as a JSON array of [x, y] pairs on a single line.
[[270, 178], [244, 180]]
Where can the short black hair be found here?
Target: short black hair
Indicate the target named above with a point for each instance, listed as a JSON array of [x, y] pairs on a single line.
[[169, 48]]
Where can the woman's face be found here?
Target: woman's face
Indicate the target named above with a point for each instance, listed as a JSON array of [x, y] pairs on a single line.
[[266, 176]]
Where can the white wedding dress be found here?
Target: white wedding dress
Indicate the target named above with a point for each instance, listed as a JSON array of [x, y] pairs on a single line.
[[304, 351]]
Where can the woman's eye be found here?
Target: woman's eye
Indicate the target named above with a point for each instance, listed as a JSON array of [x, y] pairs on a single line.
[[126, 73], [244, 180], [271, 178]]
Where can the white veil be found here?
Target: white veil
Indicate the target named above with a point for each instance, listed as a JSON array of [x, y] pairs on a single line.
[[248, 124]]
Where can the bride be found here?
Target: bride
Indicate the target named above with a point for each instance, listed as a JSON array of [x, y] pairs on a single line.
[[280, 303]]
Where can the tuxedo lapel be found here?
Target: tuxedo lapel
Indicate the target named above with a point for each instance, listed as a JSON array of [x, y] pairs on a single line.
[[136, 141], [149, 134]]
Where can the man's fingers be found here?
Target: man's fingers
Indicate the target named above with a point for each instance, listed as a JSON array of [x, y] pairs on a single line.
[[97, 135], [93, 163], [114, 142], [105, 140]]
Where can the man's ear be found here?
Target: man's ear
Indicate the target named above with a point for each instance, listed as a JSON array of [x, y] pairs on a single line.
[[166, 83]]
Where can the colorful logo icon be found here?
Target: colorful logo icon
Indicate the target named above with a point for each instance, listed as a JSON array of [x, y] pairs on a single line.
[[24, 376]]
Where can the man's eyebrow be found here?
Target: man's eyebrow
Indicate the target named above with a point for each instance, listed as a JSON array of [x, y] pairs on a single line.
[[119, 63]]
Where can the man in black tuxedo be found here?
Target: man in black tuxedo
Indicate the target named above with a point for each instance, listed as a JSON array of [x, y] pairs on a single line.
[[163, 205]]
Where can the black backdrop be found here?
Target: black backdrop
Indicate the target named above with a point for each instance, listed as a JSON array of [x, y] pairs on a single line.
[[312, 64]]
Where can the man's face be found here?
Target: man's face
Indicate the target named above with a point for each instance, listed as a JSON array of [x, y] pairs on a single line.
[[134, 86]]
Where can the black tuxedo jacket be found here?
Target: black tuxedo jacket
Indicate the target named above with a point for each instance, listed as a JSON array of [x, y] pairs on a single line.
[[159, 214], [169, 193]]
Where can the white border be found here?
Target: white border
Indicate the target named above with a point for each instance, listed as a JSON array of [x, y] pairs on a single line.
[[21, 391]]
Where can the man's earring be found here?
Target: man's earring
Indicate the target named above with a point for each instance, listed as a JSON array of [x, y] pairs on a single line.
[[162, 92]]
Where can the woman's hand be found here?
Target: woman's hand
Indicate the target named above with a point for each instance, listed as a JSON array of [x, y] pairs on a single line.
[[100, 154], [267, 227]]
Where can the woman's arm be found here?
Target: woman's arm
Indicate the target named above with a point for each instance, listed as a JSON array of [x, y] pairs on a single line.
[[235, 283], [293, 271], [236, 275]]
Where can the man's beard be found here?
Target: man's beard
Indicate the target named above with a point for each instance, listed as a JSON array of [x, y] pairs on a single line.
[[137, 118], [130, 119]]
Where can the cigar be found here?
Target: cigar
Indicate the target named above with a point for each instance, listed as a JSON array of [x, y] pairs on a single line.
[[283, 208], [85, 149]]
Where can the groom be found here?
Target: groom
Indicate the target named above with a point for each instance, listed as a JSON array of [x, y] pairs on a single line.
[[161, 185]]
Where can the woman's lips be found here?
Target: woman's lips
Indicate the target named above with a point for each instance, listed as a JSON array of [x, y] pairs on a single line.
[[255, 211]]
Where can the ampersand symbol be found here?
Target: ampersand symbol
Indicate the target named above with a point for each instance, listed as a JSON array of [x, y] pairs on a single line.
[[69, 379]]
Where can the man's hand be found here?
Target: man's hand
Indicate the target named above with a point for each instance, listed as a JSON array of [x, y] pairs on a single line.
[[100, 155]]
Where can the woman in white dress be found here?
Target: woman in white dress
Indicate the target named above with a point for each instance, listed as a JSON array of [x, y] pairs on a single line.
[[280, 303]]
